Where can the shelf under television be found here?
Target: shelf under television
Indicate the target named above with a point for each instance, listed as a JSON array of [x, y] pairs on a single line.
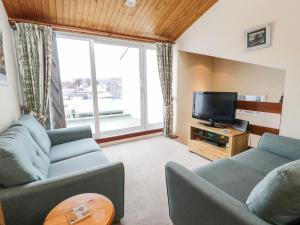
[[236, 141]]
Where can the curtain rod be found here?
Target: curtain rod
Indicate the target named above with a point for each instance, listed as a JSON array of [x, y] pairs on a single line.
[[58, 27]]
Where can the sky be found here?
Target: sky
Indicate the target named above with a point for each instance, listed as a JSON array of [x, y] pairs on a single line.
[[74, 59]]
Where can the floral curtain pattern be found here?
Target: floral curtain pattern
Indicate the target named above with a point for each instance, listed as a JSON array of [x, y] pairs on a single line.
[[34, 52], [164, 53]]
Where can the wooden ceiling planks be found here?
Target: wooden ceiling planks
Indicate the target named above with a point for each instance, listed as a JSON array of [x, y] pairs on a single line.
[[189, 21], [160, 20]]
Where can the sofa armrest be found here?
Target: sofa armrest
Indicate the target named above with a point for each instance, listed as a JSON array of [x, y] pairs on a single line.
[[29, 204], [194, 201], [63, 135]]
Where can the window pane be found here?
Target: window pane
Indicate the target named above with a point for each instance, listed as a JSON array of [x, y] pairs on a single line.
[[76, 81], [118, 85], [154, 95]]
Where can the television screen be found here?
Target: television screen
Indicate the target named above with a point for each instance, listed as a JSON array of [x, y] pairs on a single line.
[[217, 107]]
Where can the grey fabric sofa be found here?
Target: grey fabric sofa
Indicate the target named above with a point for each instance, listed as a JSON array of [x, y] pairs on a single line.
[[215, 194], [76, 165]]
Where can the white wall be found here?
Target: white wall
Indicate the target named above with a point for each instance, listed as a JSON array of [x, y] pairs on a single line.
[[205, 73], [9, 94], [220, 33], [194, 73], [246, 78]]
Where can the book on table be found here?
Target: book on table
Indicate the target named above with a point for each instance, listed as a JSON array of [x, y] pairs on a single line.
[[78, 213]]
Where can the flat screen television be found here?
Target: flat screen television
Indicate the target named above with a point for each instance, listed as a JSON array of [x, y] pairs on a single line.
[[215, 107]]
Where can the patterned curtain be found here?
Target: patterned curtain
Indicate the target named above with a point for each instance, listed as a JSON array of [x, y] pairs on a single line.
[[57, 112], [164, 53], [2, 222], [34, 52]]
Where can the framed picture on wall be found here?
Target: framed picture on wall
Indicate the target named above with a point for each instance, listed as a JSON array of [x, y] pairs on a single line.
[[258, 37], [3, 76]]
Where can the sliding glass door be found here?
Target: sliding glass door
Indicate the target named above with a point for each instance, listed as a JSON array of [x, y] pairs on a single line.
[[154, 97], [118, 87], [112, 86], [76, 81]]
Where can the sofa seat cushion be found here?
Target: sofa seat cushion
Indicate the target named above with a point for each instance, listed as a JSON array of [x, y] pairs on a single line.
[[260, 161], [21, 159], [36, 130], [231, 177], [77, 163], [72, 149]]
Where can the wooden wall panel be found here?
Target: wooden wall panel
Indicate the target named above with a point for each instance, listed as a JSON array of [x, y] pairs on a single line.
[[163, 20], [260, 130], [269, 107]]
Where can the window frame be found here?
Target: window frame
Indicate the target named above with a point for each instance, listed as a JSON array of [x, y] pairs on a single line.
[[142, 47]]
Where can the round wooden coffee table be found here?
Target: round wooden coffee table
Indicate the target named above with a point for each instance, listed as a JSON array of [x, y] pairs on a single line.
[[101, 209]]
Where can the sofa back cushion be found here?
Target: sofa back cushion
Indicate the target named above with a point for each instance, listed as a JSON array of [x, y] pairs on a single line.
[[37, 132], [280, 145], [21, 159], [276, 198], [36, 155]]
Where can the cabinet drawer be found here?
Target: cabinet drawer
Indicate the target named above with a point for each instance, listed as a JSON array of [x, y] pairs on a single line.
[[207, 150]]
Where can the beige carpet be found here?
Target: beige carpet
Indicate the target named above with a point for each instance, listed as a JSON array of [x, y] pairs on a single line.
[[145, 190]]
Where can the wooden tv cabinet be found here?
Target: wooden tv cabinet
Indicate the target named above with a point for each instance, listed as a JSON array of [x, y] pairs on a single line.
[[202, 140]]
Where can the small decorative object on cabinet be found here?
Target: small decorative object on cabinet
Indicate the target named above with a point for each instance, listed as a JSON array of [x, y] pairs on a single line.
[[216, 143]]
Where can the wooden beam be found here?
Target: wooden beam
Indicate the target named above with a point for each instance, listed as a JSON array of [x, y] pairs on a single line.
[[270, 107], [126, 136], [260, 130], [90, 31]]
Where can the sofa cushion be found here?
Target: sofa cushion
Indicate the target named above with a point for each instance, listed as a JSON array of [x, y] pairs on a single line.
[[231, 177], [77, 163], [280, 145], [72, 149], [277, 197], [260, 161], [36, 130], [21, 159], [64, 135], [36, 155]]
